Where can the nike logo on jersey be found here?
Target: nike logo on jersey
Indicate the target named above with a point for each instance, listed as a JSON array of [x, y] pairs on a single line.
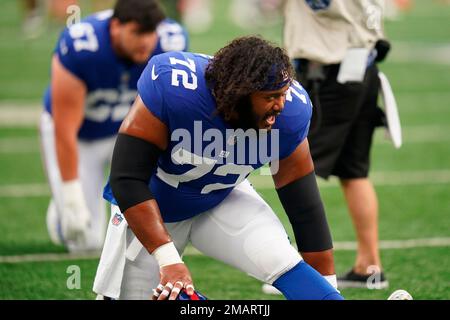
[[154, 76]]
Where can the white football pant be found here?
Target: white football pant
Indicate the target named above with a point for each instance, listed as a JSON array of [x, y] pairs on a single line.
[[241, 231], [94, 160]]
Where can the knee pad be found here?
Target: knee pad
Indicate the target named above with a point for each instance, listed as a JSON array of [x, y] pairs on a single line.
[[268, 247]]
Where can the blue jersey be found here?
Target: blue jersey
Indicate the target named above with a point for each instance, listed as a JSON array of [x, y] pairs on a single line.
[[85, 50], [206, 158]]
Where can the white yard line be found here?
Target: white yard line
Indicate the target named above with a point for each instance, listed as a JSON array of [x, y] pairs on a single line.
[[191, 251], [45, 257], [24, 190], [13, 115], [393, 178], [416, 134], [398, 244], [435, 53]]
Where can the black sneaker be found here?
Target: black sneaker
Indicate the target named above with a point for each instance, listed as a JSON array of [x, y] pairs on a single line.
[[369, 281]]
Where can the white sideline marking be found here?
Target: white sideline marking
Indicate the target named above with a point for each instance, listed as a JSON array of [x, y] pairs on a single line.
[[394, 178], [397, 244], [44, 257], [14, 115], [191, 251], [24, 190], [403, 51], [416, 134]]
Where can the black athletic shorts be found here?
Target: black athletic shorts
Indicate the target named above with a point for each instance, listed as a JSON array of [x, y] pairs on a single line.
[[344, 119]]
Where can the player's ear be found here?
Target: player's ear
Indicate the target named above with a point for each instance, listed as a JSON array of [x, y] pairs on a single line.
[[115, 25]]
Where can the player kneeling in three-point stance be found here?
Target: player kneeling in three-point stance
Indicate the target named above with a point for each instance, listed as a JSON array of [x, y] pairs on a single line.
[[197, 129], [95, 68]]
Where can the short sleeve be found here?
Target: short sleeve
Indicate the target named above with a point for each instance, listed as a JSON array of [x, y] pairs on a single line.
[[75, 45], [297, 121], [294, 140], [151, 89], [172, 36]]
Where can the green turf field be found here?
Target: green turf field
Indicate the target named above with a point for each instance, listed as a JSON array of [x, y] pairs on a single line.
[[413, 183]]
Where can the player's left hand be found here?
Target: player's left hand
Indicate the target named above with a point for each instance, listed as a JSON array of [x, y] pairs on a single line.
[[168, 292], [169, 288], [76, 217]]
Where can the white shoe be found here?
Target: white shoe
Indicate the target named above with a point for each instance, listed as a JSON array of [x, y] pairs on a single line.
[[400, 295], [269, 289]]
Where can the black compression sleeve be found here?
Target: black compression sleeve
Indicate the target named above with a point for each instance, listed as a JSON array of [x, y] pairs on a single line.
[[133, 163], [303, 205]]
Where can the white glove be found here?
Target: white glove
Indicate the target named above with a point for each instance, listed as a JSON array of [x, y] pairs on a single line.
[[75, 218]]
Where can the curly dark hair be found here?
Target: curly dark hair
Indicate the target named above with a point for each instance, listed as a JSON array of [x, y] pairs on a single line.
[[242, 67]]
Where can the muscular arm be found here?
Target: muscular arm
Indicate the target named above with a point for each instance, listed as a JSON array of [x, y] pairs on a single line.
[[299, 164], [68, 99], [140, 134], [145, 218]]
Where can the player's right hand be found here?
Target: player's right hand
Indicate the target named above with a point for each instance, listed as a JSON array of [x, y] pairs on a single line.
[[174, 277], [75, 218]]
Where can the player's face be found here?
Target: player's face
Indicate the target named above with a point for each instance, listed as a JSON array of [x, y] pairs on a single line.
[[267, 105], [131, 43]]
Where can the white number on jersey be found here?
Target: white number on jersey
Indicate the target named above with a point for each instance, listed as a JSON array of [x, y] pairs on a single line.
[[171, 37], [292, 90], [103, 104], [86, 31], [184, 75], [202, 166]]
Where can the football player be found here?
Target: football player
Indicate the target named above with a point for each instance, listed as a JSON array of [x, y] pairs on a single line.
[[94, 73], [199, 126]]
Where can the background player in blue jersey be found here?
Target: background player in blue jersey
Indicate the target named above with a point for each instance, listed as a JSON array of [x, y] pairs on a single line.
[[94, 73], [198, 128]]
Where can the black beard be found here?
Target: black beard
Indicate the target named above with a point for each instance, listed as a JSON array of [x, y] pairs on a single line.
[[246, 118]]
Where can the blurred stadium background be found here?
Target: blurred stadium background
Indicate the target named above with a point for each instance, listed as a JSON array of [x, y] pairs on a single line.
[[413, 182]]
